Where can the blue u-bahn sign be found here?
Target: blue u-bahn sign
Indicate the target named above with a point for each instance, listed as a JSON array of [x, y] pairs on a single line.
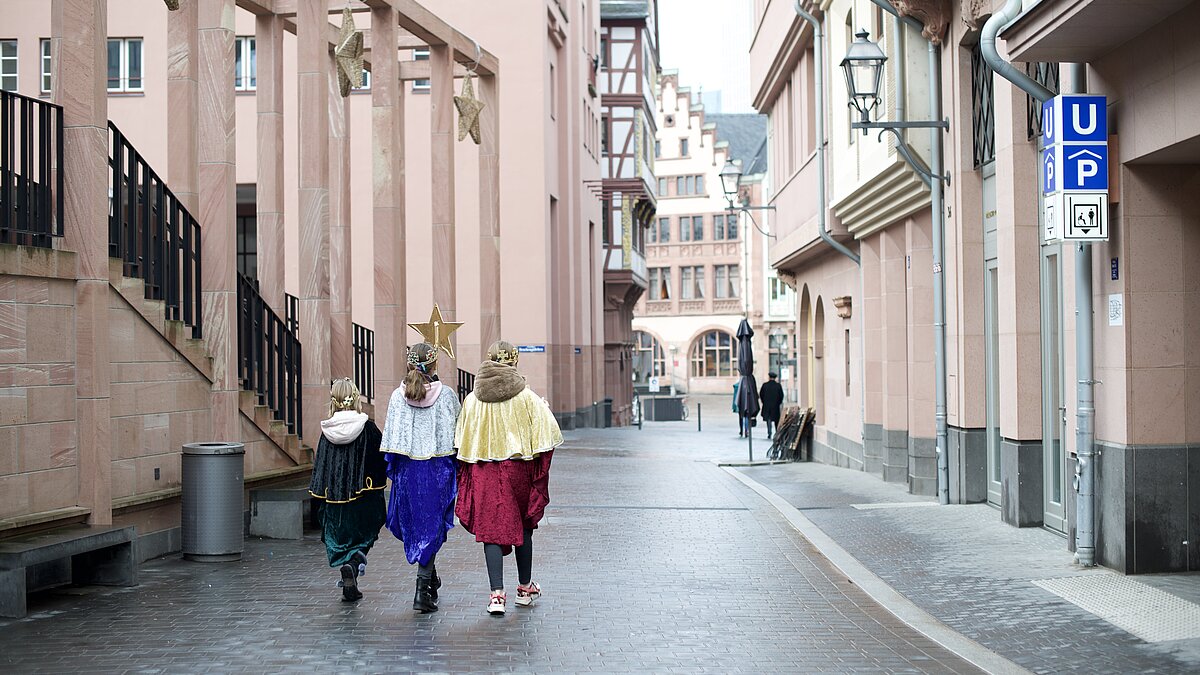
[[1075, 167]]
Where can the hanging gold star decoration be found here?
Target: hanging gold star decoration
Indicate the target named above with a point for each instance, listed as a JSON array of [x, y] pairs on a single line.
[[349, 54], [437, 332], [172, 5], [469, 108]]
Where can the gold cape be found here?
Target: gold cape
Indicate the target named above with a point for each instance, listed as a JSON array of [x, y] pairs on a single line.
[[520, 428]]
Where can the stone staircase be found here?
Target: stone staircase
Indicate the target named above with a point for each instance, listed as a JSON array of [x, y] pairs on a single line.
[[195, 351]]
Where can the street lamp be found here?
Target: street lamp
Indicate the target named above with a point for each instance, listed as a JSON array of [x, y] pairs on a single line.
[[863, 67], [731, 176]]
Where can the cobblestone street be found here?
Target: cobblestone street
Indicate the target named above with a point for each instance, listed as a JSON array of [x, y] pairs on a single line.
[[652, 559]]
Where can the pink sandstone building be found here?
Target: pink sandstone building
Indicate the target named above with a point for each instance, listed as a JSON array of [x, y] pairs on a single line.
[[203, 231], [1017, 437]]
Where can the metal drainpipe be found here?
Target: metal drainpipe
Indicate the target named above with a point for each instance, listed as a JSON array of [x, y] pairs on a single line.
[[819, 76], [937, 206], [1085, 438], [1075, 82]]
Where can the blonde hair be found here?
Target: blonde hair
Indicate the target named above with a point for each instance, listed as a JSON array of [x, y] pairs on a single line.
[[503, 351], [344, 395], [422, 357]]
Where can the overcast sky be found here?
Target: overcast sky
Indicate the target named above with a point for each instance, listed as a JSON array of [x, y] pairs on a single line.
[[708, 42]]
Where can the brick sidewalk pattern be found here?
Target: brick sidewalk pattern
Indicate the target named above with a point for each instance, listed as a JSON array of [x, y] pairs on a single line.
[[652, 559], [962, 565]]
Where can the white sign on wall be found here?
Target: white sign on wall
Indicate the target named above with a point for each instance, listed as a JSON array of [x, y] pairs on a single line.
[[1116, 310], [654, 385]]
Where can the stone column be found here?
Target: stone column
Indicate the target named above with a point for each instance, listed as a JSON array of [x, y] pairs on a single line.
[[313, 88], [268, 34], [341, 331], [489, 213], [79, 57], [441, 143], [183, 97], [216, 210], [387, 128]]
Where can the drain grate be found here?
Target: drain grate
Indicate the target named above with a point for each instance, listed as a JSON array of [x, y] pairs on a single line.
[[1147, 612]]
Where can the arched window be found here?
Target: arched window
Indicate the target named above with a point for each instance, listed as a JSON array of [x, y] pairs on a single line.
[[648, 357], [713, 355]]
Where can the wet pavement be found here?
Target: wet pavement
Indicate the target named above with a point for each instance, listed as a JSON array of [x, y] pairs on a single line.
[[651, 557]]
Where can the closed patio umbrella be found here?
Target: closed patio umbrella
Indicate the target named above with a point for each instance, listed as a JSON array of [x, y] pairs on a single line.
[[747, 398]]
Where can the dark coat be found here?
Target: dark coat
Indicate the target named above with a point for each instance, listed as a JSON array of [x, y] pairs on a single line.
[[771, 395], [342, 473]]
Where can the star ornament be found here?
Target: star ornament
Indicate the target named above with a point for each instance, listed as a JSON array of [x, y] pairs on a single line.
[[437, 331], [469, 108], [349, 55]]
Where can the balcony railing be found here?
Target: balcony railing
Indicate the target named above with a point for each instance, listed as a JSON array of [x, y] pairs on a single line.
[[31, 190], [268, 357], [153, 234], [466, 384], [364, 361]]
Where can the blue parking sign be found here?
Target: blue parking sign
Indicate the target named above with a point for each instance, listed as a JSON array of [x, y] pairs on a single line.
[[1083, 167], [1049, 171]]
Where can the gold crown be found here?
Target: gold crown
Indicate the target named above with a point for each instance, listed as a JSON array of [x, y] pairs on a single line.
[[415, 360], [506, 356]]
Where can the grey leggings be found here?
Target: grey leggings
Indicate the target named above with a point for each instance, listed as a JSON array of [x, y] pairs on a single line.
[[494, 556], [427, 571]]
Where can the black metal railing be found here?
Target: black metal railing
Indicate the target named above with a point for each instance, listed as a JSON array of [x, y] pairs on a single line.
[[268, 357], [31, 189], [1046, 74], [152, 233], [291, 312], [364, 361], [466, 384]]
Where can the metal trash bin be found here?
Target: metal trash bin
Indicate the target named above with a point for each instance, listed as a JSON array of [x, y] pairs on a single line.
[[213, 502]]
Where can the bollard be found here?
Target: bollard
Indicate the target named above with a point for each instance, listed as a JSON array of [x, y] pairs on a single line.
[[697, 416]]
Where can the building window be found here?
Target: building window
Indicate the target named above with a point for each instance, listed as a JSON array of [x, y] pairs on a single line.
[[718, 226], [690, 184], [779, 355], [46, 65], [604, 52], [727, 281], [679, 185], [847, 352], [366, 81], [649, 358], [553, 93], [697, 228], [604, 134], [700, 185], [420, 55], [247, 246], [685, 228], [245, 64], [657, 149], [660, 283], [664, 230], [662, 187], [125, 65], [731, 228], [983, 119], [691, 283], [712, 355], [1046, 74], [8, 65], [683, 147]]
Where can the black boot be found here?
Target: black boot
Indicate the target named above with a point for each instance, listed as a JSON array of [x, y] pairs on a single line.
[[435, 582], [349, 583], [423, 601]]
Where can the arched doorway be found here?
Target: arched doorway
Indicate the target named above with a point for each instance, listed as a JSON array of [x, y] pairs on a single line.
[[649, 359], [818, 357], [804, 359], [713, 354]]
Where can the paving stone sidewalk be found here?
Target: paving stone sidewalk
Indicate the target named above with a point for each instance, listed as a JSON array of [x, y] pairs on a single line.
[[962, 565], [652, 558]]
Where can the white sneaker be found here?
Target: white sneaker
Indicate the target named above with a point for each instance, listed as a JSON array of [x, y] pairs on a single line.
[[526, 595], [496, 603]]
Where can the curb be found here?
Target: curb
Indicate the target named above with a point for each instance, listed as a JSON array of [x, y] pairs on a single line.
[[878, 589]]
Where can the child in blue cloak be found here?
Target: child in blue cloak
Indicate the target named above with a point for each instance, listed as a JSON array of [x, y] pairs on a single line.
[[418, 441]]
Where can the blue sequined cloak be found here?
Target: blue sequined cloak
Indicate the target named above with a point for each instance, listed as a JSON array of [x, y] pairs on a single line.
[[418, 440]]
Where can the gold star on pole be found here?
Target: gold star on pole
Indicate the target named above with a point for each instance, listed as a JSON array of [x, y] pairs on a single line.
[[172, 5], [469, 108], [349, 55], [437, 331]]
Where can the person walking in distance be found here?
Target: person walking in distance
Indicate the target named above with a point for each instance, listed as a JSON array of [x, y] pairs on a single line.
[[770, 394], [418, 440], [349, 475], [505, 438]]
